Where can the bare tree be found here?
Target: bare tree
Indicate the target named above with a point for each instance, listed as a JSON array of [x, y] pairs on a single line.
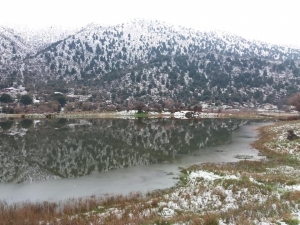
[[177, 105], [95, 106], [169, 104], [55, 106], [157, 107], [198, 108], [69, 107], [139, 106], [18, 109], [86, 106], [42, 108], [295, 101]]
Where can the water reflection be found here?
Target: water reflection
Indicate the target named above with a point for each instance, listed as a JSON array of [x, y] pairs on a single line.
[[47, 149]]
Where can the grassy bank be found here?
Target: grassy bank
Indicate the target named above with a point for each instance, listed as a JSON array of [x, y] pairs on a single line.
[[245, 192], [123, 114]]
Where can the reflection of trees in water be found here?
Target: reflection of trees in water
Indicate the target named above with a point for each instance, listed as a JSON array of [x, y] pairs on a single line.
[[71, 148], [26, 123], [6, 125]]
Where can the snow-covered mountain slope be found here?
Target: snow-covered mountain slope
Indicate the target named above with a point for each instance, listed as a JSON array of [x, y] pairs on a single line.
[[106, 48], [152, 58], [41, 38], [12, 46]]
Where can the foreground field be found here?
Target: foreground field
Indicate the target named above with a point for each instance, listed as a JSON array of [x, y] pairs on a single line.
[[247, 192]]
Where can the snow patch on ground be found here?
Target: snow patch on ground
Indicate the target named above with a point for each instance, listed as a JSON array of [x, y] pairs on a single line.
[[184, 115], [209, 175], [281, 144], [126, 113]]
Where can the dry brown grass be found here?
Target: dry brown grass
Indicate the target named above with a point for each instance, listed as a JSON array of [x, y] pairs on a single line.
[[73, 211]]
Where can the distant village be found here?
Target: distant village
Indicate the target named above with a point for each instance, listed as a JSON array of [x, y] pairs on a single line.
[[72, 102]]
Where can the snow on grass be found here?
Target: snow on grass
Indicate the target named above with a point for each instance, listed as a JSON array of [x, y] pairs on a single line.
[[293, 187], [280, 143], [206, 191], [183, 114], [126, 113], [180, 115], [209, 175]]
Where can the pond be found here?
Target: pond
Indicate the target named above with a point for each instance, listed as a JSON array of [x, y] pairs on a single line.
[[59, 159]]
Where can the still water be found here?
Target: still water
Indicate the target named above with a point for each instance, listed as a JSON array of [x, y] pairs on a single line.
[[58, 159]]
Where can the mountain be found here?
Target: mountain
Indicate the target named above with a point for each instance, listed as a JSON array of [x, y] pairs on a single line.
[[151, 61], [13, 50], [42, 37]]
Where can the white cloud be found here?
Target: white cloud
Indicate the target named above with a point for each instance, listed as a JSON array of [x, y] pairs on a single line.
[[273, 21]]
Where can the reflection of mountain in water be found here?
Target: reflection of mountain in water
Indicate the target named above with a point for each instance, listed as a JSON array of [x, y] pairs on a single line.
[[47, 149]]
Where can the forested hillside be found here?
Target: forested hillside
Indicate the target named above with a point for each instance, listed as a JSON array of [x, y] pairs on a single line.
[[151, 61]]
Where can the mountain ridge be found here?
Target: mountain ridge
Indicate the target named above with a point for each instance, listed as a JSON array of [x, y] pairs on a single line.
[[152, 60]]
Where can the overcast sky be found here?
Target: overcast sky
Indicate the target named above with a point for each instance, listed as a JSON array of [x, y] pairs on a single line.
[[274, 21]]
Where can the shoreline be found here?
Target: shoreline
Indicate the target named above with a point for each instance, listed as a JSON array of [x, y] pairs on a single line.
[[131, 114]]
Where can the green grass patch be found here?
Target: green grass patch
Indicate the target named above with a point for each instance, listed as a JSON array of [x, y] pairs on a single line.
[[141, 115], [292, 221]]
